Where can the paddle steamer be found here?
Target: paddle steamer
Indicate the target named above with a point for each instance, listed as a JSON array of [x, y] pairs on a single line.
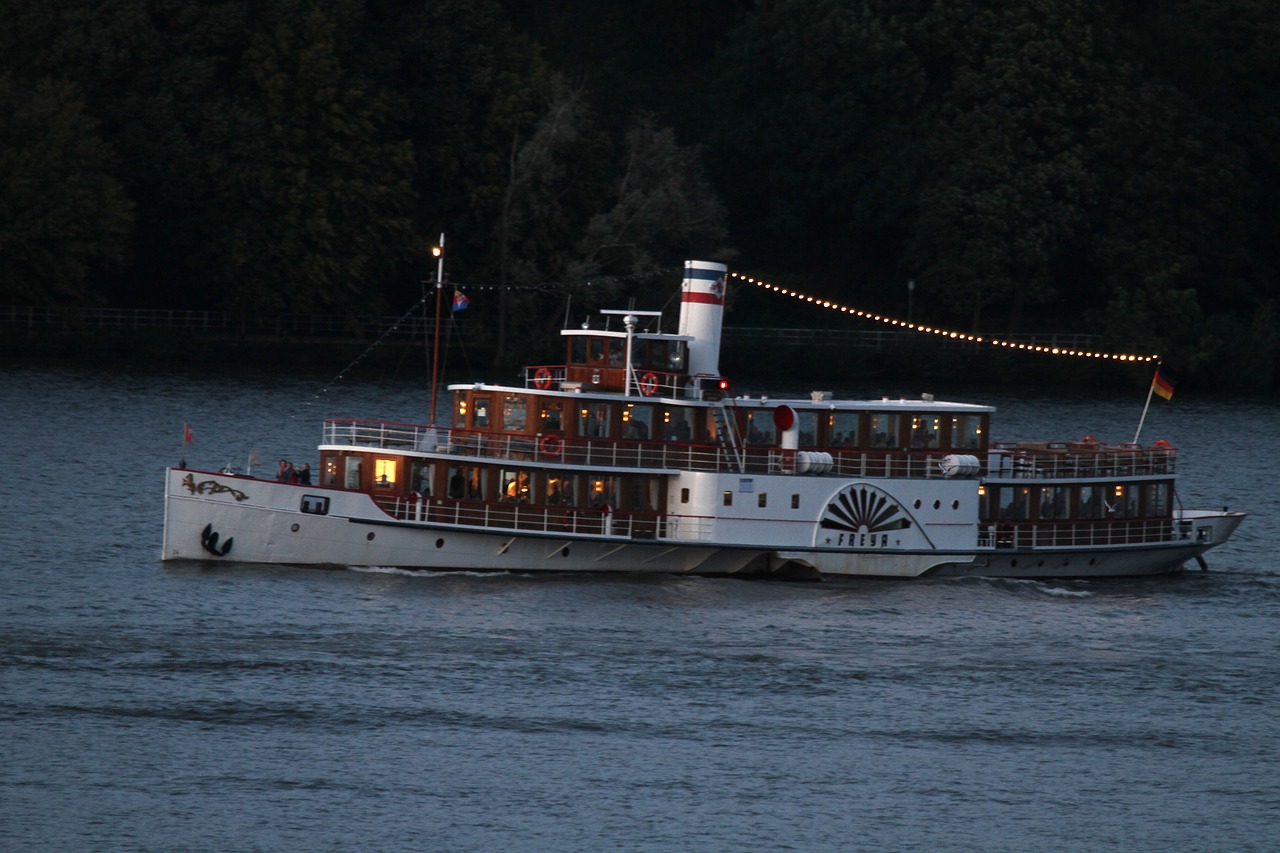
[[635, 455]]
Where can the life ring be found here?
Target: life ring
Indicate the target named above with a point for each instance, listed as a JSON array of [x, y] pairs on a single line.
[[1163, 445], [542, 378], [1088, 439], [552, 445], [649, 384]]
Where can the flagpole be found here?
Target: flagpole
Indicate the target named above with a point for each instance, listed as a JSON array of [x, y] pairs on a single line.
[[435, 344], [1150, 390]]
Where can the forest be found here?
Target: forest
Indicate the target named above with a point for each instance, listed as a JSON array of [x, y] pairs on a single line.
[[1026, 165]]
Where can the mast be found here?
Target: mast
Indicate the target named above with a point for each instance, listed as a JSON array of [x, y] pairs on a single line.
[[438, 251]]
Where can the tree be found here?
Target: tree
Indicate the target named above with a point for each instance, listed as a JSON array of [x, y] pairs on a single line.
[[1011, 173], [663, 206], [63, 213], [313, 196]]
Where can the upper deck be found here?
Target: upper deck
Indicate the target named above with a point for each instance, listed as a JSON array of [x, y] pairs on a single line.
[[1002, 461]]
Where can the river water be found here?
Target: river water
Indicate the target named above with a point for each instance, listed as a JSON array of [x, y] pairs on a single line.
[[213, 707]]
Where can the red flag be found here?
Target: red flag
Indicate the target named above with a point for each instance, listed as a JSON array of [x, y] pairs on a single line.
[[1162, 385], [186, 433]]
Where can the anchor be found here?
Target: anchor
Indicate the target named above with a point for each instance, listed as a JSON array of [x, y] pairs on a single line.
[[209, 541]]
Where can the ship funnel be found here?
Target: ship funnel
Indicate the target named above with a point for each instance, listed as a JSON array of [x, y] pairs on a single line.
[[701, 313]]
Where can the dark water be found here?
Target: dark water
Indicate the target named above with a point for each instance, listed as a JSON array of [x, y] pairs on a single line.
[[233, 707]]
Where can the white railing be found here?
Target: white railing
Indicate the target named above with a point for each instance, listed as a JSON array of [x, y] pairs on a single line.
[[1016, 462], [1077, 534]]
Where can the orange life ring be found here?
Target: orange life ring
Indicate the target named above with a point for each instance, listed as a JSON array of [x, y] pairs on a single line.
[[1162, 444], [552, 445], [542, 378], [649, 384]]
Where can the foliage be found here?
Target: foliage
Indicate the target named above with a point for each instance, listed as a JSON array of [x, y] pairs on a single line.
[[62, 212], [1056, 166]]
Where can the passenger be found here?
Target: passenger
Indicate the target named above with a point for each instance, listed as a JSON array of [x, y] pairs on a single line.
[[286, 473], [304, 475]]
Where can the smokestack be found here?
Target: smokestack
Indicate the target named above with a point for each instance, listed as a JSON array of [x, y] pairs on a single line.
[[701, 314]]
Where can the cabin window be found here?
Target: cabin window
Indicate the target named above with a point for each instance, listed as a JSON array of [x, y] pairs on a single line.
[[728, 498], [684, 496], [315, 505], [676, 356], [1015, 503], [384, 473], [1157, 503], [617, 351], [603, 491], [648, 355], [1092, 505], [460, 411], [637, 422], [577, 350], [795, 501], [884, 430], [594, 419], [924, 431], [842, 429], [551, 416], [808, 425], [762, 499], [515, 414], [1126, 501], [351, 474], [561, 490], [1053, 502], [760, 427], [421, 476], [481, 416], [677, 425], [466, 483], [331, 471], [516, 485], [984, 503], [596, 348], [966, 432]]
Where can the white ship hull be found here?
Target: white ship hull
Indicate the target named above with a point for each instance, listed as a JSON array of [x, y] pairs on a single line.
[[211, 516]]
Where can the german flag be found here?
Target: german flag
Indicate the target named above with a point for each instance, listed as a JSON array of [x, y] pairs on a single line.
[[1162, 385]]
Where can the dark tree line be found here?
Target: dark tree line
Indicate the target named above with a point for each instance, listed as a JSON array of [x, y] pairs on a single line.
[[1030, 165]]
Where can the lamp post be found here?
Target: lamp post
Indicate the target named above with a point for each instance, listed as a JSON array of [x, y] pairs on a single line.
[[438, 251], [911, 295]]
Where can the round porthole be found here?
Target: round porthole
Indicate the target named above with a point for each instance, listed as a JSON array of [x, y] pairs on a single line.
[[1013, 564], [294, 528], [439, 543], [955, 504], [937, 504], [564, 552], [917, 504], [369, 536]]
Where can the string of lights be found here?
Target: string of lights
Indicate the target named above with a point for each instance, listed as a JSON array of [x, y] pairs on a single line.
[[946, 333]]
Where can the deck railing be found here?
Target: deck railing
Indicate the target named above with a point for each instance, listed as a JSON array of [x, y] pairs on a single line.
[[1012, 462], [1077, 534]]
